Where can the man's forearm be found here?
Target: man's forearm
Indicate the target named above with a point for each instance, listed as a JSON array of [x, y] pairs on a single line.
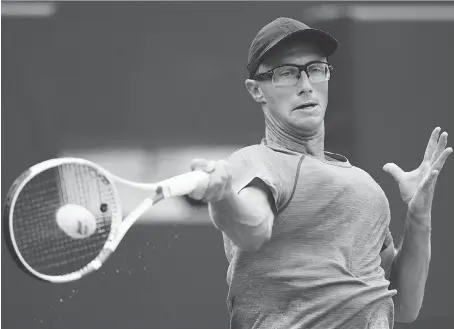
[[246, 223], [410, 268]]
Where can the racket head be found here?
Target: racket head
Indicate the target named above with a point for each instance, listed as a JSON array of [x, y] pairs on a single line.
[[31, 206]]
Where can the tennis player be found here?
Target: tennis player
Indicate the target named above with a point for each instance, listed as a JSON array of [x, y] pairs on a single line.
[[306, 233]]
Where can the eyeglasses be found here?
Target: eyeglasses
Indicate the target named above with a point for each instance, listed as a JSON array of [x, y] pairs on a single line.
[[288, 75]]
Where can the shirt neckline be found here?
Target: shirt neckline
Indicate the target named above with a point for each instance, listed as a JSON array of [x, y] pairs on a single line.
[[330, 158]]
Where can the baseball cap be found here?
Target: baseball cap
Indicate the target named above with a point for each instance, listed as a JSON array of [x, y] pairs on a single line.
[[280, 29]]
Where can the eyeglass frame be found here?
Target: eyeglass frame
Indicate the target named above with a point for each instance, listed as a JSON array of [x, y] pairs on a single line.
[[270, 74]]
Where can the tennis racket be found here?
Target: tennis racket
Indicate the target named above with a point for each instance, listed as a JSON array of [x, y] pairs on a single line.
[[65, 216]]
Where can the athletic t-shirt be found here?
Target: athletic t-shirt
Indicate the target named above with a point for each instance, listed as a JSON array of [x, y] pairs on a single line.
[[322, 267]]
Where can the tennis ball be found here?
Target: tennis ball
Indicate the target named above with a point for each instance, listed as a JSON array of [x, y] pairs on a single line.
[[76, 221]]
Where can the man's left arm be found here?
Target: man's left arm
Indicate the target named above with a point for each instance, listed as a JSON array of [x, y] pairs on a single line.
[[410, 265], [409, 270]]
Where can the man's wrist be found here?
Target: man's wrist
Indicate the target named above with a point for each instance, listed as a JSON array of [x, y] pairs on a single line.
[[420, 222], [228, 198]]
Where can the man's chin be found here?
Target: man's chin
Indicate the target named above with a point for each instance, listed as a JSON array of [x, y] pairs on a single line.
[[309, 127]]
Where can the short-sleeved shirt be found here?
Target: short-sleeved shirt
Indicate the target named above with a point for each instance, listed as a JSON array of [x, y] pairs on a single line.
[[323, 267]]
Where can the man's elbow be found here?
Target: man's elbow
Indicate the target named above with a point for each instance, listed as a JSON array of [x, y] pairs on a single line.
[[407, 316]]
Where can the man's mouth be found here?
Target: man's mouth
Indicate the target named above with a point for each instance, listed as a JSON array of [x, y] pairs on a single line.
[[307, 105]]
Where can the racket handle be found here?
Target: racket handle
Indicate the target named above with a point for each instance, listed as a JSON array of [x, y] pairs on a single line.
[[184, 184]]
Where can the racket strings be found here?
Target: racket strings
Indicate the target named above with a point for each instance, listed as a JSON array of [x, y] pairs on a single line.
[[43, 245]]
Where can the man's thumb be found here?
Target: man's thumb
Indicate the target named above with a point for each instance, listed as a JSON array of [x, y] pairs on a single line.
[[199, 164], [393, 170]]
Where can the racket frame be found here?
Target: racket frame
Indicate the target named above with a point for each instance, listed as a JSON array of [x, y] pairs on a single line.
[[175, 186], [116, 219]]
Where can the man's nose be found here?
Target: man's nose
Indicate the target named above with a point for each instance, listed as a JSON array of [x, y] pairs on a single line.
[[304, 85]]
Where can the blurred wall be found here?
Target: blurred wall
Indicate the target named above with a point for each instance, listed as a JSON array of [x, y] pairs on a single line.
[[148, 74]]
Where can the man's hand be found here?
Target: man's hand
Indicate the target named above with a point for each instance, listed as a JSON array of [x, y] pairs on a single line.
[[417, 186], [220, 182]]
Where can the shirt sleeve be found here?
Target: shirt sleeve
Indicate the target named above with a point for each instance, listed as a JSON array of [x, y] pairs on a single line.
[[388, 253], [251, 163]]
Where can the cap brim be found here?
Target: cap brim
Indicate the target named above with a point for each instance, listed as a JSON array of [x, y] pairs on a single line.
[[326, 42]]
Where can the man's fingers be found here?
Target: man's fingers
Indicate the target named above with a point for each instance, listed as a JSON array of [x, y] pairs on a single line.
[[440, 146], [431, 146], [198, 164], [198, 193], [439, 163], [430, 180], [203, 164], [218, 181]]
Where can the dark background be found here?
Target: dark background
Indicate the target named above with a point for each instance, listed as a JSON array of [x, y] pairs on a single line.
[[149, 74]]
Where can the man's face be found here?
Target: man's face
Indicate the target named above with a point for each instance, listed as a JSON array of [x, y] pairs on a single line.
[[282, 103]]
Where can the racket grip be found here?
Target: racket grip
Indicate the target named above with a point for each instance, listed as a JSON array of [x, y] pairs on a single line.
[[184, 184]]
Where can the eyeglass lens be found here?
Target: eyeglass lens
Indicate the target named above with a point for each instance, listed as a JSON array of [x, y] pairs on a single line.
[[289, 75]]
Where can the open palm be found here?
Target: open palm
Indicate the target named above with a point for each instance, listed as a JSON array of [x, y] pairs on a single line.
[[417, 186]]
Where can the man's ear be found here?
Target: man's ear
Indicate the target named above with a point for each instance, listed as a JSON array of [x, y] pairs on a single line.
[[254, 89]]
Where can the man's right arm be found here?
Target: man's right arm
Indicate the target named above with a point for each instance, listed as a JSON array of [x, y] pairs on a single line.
[[245, 217], [244, 213]]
